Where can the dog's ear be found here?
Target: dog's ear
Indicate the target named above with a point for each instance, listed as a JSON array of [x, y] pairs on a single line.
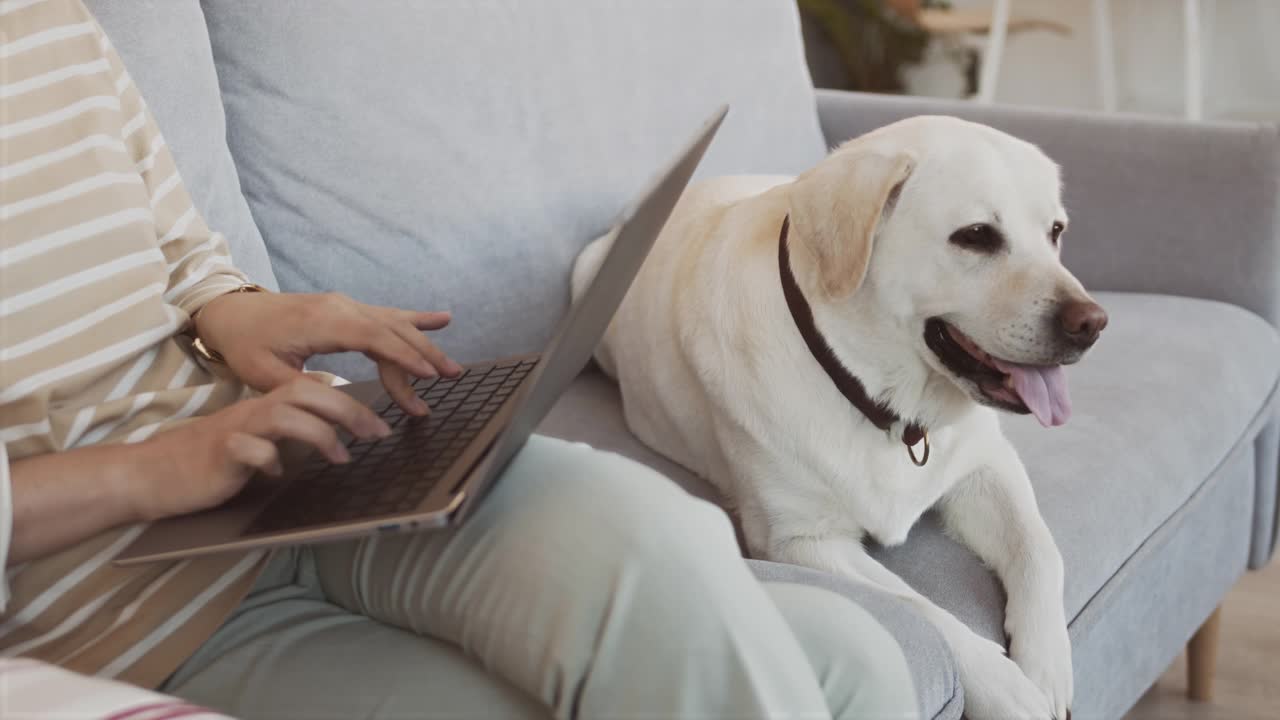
[[836, 207]]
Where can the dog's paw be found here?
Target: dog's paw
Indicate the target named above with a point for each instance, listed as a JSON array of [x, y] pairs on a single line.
[[1043, 651], [995, 688]]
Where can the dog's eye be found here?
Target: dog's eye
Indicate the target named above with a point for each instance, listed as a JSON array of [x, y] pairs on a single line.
[[979, 238], [1056, 232]]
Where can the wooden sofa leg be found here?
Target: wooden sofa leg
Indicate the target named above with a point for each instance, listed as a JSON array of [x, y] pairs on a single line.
[[1202, 658]]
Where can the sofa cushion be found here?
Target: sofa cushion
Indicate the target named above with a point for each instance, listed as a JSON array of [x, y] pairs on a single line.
[[1168, 393], [458, 155], [165, 45]]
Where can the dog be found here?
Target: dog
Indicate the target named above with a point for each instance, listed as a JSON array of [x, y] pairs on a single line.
[[831, 351]]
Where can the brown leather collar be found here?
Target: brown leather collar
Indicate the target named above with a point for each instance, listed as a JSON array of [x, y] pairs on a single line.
[[851, 387]]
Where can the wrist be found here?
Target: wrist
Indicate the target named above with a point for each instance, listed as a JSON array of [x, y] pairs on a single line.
[[207, 323], [134, 483]]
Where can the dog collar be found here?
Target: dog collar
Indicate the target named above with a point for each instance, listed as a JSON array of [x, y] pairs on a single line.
[[851, 387]]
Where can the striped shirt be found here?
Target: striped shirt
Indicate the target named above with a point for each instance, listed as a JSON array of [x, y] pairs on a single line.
[[103, 259]]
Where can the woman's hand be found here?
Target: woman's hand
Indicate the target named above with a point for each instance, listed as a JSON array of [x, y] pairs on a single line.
[[205, 462], [266, 337]]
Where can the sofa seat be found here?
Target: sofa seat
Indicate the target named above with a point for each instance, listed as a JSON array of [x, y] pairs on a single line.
[[1108, 482]]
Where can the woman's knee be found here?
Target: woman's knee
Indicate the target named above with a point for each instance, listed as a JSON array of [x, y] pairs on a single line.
[[861, 666]]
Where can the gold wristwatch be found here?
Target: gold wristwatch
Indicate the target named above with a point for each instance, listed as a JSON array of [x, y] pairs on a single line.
[[205, 352]]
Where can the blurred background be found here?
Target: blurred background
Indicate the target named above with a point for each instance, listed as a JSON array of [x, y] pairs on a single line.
[[1196, 59]]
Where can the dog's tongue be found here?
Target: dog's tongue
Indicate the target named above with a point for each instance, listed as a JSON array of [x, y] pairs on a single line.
[[1043, 389]]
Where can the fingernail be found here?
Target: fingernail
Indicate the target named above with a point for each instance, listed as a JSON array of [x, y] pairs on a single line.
[[454, 367], [426, 370], [420, 407], [381, 428], [344, 456]]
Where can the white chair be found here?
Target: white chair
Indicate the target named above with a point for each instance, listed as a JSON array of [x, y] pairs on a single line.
[[1104, 48]]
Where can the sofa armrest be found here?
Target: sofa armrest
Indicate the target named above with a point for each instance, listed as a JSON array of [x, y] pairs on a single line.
[[1156, 205]]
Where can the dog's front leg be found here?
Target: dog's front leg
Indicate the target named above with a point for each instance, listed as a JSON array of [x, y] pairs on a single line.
[[993, 511], [995, 688]]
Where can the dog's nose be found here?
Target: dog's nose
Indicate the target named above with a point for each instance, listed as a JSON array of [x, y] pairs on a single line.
[[1082, 321]]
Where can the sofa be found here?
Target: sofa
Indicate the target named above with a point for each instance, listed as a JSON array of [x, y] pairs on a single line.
[[458, 155]]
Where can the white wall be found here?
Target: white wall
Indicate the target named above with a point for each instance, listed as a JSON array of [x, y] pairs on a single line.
[[1241, 50]]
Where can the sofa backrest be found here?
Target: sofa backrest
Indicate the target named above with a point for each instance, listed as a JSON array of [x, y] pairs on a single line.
[[457, 155]]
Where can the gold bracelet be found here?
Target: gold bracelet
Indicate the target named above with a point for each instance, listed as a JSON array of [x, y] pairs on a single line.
[[205, 352]]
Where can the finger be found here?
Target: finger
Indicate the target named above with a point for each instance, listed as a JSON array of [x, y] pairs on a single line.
[[397, 384], [335, 406], [382, 344], [423, 320], [427, 349], [255, 452], [434, 320], [284, 421]]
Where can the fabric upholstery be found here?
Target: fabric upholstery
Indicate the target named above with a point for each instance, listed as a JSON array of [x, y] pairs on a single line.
[[165, 46], [1107, 483], [1139, 622], [1266, 504], [458, 155]]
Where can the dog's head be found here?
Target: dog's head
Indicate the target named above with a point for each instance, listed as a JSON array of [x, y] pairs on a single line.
[[953, 230]]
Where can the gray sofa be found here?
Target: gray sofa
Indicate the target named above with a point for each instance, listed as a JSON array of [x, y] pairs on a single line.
[[457, 155]]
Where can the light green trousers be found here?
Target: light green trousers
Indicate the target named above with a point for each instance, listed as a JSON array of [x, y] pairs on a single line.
[[585, 586]]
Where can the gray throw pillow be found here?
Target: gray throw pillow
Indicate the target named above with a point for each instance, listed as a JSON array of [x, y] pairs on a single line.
[[457, 155]]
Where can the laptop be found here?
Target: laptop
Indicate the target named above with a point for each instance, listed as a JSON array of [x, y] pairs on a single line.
[[431, 471]]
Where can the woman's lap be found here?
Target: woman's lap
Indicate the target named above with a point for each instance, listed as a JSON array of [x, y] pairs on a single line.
[[585, 581]]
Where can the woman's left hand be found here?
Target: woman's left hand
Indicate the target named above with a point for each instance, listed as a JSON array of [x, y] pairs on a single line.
[[266, 337]]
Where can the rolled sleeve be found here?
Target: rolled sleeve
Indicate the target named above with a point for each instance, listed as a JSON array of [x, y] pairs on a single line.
[[200, 264]]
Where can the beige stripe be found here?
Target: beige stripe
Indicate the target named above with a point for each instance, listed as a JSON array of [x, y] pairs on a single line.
[[125, 582], [22, 127], [54, 76], [163, 189], [18, 169], [41, 602], [101, 432], [8, 6], [136, 123], [108, 354], [75, 281], [15, 433], [130, 611], [88, 321], [153, 668], [201, 274], [67, 192], [181, 377], [172, 624], [44, 37], [148, 162], [68, 624], [179, 226], [192, 406], [130, 378]]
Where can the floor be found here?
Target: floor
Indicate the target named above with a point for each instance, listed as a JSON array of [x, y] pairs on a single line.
[[1248, 680]]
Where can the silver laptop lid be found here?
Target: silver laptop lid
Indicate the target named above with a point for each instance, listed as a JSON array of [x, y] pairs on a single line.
[[578, 334]]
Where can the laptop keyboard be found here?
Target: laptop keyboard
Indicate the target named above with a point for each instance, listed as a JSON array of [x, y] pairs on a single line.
[[394, 474]]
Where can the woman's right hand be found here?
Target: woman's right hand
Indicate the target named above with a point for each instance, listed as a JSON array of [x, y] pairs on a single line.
[[207, 461]]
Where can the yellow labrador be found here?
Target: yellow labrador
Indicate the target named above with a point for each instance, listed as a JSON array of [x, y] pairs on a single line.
[[830, 351]]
